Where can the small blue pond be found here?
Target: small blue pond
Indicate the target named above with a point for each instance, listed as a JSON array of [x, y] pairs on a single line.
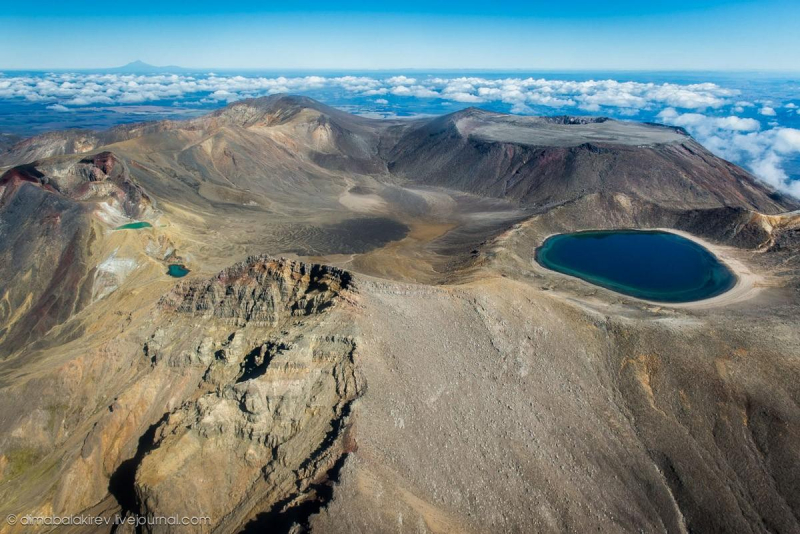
[[650, 265], [177, 270], [134, 226]]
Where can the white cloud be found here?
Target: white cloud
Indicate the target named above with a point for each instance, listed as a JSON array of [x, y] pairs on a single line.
[[381, 101], [418, 91], [767, 111], [737, 124], [224, 95], [58, 107], [401, 80], [522, 94], [705, 124], [589, 95], [791, 105], [741, 140], [463, 96], [374, 92], [787, 140]]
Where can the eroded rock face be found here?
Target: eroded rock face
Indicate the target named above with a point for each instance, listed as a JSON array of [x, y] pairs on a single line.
[[260, 290], [269, 415]]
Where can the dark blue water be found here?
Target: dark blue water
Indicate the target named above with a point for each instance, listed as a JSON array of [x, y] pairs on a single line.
[[649, 265], [177, 270]]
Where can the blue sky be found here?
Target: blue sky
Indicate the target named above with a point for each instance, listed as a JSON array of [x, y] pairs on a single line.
[[654, 35]]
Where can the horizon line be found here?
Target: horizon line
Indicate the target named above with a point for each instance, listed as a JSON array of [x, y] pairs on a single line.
[[164, 69]]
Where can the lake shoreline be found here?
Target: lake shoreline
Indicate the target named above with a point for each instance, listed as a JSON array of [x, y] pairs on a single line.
[[747, 285]]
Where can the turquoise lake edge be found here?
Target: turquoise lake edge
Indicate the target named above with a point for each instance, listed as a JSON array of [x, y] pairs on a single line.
[[717, 278]]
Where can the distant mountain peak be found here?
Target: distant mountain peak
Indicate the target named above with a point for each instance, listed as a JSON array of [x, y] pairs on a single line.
[[138, 63], [141, 66]]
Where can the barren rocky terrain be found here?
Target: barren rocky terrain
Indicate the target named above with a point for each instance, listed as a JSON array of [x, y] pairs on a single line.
[[365, 342]]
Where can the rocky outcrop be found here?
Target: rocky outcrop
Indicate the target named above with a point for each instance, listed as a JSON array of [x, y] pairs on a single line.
[[260, 290], [270, 415], [261, 439]]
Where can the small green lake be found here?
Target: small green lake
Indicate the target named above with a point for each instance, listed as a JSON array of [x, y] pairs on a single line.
[[134, 226], [177, 270], [651, 265]]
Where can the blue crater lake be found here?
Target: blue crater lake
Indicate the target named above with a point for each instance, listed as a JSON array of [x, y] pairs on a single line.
[[650, 265], [134, 226], [177, 270]]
